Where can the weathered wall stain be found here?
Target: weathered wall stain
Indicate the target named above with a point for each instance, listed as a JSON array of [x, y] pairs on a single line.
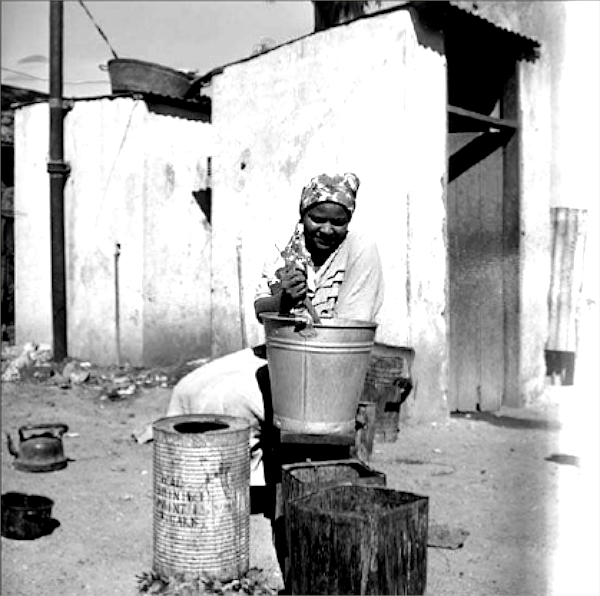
[[169, 178]]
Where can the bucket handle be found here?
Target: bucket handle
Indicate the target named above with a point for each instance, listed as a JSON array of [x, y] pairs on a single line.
[[305, 329], [34, 430]]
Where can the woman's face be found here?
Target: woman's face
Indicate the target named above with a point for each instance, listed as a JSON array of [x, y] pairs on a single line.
[[325, 227]]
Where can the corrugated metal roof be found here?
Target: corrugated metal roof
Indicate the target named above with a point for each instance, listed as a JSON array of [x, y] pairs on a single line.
[[12, 95], [529, 48], [191, 105]]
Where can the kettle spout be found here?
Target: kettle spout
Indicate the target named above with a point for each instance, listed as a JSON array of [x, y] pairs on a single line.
[[10, 445]]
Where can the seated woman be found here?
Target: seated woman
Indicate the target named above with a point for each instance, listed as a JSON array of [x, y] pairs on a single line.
[[340, 272]]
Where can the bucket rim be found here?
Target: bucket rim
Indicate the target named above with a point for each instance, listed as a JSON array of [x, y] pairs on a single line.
[[155, 65], [17, 501], [334, 323]]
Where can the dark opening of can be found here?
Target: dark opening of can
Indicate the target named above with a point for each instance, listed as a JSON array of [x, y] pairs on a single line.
[[199, 427]]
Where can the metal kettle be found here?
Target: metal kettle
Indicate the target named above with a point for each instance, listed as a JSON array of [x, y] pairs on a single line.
[[40, 448]]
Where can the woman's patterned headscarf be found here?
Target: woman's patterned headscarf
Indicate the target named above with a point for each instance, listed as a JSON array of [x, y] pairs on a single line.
[[334, 189]]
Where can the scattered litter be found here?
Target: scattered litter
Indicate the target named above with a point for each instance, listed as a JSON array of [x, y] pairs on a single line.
[[74, 373], [144, 434], [564, 459], [58, 380], [17, 363], [198, 362], [42, 353], [33, 362], [253, 582], [129, 390], [443, 536]]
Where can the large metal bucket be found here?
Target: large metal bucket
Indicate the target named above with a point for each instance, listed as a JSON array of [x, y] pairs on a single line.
[[317, 375]]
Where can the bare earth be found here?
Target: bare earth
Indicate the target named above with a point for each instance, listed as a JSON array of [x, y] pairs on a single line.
[[532, 523]]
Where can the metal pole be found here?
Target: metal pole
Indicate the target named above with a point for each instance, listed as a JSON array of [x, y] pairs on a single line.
[[117, 304], [58, 171]]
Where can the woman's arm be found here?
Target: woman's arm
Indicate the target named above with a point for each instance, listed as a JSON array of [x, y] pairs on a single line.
[[267, 304], [361, 293], [290, 292]]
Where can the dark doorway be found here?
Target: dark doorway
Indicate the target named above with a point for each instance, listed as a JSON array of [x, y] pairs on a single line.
[[483, 226]]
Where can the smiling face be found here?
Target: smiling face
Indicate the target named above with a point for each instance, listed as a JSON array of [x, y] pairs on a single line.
[[325, 227]]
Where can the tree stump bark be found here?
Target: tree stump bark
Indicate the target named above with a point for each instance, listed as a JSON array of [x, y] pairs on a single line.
[[358, 540]]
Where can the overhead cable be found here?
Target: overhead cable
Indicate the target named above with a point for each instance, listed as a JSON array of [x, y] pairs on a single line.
[[89, 14]]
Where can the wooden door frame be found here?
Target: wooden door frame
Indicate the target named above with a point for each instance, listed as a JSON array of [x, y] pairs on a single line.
[[499, 132]]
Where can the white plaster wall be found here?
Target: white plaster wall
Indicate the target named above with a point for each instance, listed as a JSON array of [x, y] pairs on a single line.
[[103, 207], [427, 255], [325, 104], [320, 104], [33, 292], [131, 182], [560, 153], [578, 146], [177, 241], [535, 254]]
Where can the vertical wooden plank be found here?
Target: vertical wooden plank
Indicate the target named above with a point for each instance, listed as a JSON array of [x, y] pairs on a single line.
[[467, 303], [4, 266], [511, 248], [463, 300], [567, 269], [453, 319], [365, 431], [565, 303], [557, 226], [491, 347], [580, 242]]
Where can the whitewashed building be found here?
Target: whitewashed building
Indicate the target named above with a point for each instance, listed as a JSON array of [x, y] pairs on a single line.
[[445, 111]]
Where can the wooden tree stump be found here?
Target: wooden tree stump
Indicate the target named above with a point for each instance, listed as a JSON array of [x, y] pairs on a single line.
[[358, 540], [301, 479]]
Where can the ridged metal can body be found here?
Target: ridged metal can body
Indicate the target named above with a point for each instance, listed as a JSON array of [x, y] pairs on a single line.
[[202, 496]]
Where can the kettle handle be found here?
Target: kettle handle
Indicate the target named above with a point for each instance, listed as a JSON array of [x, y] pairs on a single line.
[[58, 429]]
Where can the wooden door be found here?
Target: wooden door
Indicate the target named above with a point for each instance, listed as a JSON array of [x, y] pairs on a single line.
[[476, 282]]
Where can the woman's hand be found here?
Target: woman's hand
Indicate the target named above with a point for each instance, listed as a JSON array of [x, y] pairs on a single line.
[[293, 286]]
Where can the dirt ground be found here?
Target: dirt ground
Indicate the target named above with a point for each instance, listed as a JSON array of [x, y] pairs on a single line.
[[530, 519]]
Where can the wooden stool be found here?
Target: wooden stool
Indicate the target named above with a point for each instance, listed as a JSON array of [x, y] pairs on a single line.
[[289, 447], [359, 443]]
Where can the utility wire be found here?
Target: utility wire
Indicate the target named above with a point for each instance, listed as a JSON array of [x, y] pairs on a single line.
[[24, 74], [89, 14]]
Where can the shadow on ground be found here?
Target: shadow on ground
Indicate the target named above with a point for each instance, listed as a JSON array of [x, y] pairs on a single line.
[[508, 421]]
